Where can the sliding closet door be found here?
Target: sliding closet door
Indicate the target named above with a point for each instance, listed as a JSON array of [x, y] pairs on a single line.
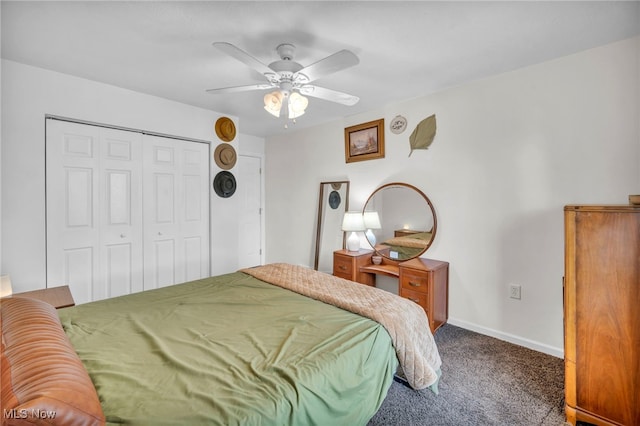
[[125, 211], [94, 210], [176, 211]]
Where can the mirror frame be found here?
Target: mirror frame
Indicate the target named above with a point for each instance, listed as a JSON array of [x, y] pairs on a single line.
[[321, 217], [433, 213]]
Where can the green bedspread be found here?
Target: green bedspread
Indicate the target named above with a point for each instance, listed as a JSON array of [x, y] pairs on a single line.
[[231, 350]]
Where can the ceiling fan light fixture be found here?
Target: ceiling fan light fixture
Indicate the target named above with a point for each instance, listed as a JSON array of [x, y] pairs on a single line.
[[297, 105], [273, 103], [290, 79], [276, 101]]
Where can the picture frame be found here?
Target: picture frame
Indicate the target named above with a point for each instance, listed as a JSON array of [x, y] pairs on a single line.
[[364, 141]]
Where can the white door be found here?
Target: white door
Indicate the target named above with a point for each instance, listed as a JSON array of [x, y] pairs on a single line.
[[94, 210], [250, 211], [176, 211]]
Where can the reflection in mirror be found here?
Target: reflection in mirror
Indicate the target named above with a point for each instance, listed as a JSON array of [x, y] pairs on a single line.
[[333, 202], [406, 221]]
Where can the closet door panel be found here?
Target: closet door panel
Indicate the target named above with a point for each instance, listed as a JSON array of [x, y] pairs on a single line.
[[193, 255], [119, 269], [165, 263], [72, 187], [78, 208], [94, 212], [176, 203], [121, 212], [78, 269]]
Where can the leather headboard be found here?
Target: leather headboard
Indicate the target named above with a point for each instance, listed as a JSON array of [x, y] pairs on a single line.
[[43, 380]]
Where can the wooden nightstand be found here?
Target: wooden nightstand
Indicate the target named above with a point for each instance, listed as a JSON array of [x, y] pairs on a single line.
[[346, 264], [59, 297]]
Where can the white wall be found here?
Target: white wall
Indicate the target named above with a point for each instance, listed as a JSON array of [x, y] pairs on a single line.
[[509, 153], [28, 93]]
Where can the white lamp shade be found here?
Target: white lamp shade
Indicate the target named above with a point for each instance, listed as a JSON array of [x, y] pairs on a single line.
[[5, 286], [273, 103], [353, 221], [297, 105], [372, 220]]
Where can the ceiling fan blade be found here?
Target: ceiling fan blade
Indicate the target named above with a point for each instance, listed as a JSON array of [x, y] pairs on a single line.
[[329, 95], [245, 58], [237, 89], [329, 65]]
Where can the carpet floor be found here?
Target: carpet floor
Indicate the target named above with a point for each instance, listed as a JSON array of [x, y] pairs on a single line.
[[485, 381]]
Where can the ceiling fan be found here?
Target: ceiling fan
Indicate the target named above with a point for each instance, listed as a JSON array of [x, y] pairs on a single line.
[[291, 80]]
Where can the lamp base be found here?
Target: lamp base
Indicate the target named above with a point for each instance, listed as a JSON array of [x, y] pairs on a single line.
[[353, 242]]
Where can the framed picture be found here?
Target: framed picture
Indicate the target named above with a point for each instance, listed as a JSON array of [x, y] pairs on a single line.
[[364, 141]]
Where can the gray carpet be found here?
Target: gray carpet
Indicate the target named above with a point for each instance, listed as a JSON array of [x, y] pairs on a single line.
[[485, 381]]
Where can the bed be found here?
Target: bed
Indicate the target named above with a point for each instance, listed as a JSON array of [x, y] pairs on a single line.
[[253, 347]]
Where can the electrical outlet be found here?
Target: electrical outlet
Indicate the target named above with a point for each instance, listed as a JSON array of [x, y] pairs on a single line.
[[515, 291]]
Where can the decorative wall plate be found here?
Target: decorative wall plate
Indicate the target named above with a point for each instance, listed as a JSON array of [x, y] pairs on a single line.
[[334, 199], [398, 124]]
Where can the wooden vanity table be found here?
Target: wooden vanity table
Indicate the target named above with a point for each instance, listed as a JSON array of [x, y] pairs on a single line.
[[423, 281], [402, 225]]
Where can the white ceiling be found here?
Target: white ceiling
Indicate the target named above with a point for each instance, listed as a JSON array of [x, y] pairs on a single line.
[[407, 49]]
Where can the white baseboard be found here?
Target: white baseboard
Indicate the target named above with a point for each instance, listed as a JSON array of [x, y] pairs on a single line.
[[516, 340]]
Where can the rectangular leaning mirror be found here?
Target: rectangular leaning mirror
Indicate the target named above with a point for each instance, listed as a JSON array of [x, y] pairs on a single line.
[[333, 202]]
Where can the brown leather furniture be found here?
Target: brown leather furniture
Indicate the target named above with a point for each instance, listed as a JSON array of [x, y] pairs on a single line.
[[43, 380]]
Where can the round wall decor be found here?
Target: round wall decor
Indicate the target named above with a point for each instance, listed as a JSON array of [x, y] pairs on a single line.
[[225, 129], [398, 124], [225, 156], [334, 199], [224, 184]]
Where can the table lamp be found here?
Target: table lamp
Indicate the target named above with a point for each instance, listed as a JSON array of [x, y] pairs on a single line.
[[371, 221], [353, 222]]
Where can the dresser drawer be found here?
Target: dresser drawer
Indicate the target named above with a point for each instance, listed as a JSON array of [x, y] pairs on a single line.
[[343, 267], [417, 297], [414, 281]]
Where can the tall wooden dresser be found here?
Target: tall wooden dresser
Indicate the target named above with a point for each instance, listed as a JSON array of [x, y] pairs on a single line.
[[602, 314]]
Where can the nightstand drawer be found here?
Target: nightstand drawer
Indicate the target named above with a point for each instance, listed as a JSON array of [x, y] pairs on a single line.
[[417, 297], [343, 267], [414, 281]]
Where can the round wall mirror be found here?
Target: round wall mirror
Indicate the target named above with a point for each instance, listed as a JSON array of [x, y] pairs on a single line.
[[400, 220]]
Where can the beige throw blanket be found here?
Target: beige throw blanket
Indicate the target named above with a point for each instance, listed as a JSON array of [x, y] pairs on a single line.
[[404, 320]]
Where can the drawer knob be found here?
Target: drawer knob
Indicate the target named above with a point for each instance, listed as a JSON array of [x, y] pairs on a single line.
[[413, 300], [342, 268], [414, 284]]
